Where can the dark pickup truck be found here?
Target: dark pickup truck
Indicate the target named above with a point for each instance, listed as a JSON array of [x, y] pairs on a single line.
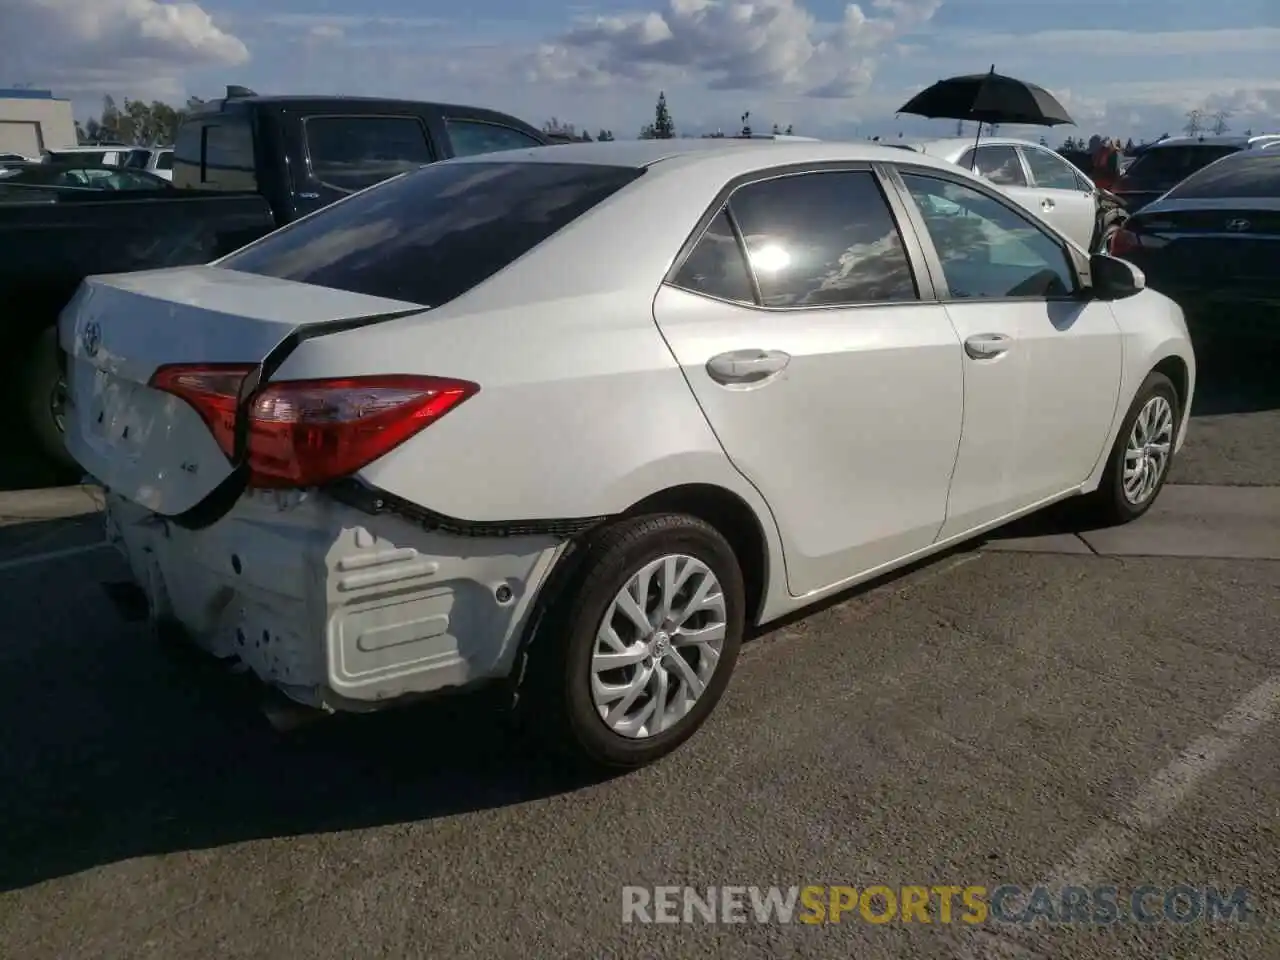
[[242, 166]]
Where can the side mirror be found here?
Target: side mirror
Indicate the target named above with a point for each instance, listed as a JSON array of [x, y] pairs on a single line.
[[1113, 278]]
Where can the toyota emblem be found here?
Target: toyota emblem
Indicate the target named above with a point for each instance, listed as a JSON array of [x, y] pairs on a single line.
[[91, 337], [1238, 226]]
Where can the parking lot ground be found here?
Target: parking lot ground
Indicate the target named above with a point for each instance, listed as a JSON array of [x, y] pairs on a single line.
[[1056, 703], [993, 717]]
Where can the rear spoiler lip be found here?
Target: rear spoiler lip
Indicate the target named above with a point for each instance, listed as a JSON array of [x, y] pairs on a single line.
[[219, 501]]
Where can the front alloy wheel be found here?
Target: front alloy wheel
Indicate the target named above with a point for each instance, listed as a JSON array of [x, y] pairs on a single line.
[[1146, 456], [1143, 452]]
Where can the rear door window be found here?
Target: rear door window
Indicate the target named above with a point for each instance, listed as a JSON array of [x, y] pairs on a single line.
[[352, 153], [998, 163], [165, 161], [716, 267], [434, 234], [216, 154], [472, 137], [1049, 172], [823, 239]]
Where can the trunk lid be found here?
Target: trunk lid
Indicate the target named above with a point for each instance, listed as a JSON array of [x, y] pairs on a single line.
[[146, 444], [1214, 242]]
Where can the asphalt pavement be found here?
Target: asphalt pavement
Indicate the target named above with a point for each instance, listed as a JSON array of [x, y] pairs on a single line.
[[1055, 705]]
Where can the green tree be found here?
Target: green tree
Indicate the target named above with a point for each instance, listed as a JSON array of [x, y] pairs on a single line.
[[604, 136], [662, 127]]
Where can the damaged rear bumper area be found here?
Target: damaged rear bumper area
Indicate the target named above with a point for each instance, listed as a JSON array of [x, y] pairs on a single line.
[[334, 608]]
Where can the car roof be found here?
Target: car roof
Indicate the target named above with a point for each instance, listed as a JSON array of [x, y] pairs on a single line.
[[954, 146], [753, 154], [1207, 141]]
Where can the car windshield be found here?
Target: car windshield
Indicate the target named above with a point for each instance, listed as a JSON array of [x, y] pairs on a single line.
[[1168, 165], [429, 236], [1255, 174]]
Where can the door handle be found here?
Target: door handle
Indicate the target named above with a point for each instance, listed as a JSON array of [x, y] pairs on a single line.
[[739, 367], [987, 346], [1046, 204]]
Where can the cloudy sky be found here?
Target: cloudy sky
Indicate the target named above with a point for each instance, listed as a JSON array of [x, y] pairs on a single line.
[[1124, 67]]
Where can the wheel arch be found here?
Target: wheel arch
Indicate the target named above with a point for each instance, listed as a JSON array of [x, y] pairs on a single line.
[[733, 518]]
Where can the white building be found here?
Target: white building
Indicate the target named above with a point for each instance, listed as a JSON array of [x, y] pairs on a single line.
[[32, 121]]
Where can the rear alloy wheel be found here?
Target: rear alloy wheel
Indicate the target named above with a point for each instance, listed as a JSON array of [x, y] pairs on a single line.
[[642, 644], [1142, 454], [44, 397]]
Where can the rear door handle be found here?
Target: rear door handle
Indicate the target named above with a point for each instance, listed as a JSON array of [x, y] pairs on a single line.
[[739, 367], [987, 346], [1046, 204]]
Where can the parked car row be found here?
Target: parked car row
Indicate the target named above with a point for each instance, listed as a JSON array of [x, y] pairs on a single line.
[[567, 420]]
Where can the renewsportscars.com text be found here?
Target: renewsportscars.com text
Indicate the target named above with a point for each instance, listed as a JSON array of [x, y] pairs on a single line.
[[941, 904]]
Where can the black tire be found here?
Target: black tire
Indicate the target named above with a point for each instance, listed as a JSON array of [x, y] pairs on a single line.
[[1108, 505], [40, 378], [554, 699]]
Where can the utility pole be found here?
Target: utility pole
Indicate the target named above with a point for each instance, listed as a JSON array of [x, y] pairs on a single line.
[[1220, 125], [1195, 123]]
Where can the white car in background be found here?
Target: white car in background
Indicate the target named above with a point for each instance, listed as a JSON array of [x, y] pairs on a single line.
[[1035, 176], [154, 160], [572, 418], [157, 161]]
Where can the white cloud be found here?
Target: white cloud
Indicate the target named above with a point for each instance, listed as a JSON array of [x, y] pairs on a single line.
[[1111, 43], [99, 46], [764, 45]]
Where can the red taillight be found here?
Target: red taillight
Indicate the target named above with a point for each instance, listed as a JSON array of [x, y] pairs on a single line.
[[211, 389], [304, 433], [1123, 241]]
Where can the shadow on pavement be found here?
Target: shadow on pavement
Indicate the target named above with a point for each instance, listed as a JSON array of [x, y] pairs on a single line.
[[108, 758], [1237, 376]]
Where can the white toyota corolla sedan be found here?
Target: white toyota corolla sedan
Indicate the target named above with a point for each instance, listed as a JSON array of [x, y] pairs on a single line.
[[572, 418]]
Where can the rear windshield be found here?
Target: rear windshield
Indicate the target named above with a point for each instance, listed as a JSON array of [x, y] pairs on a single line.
[[431, 235], [1244, 175], [1168, 165]]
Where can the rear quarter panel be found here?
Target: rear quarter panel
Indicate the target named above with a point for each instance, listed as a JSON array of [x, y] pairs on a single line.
[[582, 409]]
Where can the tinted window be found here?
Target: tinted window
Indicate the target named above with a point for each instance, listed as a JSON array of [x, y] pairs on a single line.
[[1050, 172], [818, 239], [986, 248], [187, 155], [470, 137], [228, 155], [137, 159], [351, 153], [998, 164], [716, 267], [1168, 165], [1252, 174], [165, 161], [433, 234]]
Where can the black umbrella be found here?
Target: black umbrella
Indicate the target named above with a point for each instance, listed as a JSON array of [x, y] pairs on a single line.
[[988, 98]]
